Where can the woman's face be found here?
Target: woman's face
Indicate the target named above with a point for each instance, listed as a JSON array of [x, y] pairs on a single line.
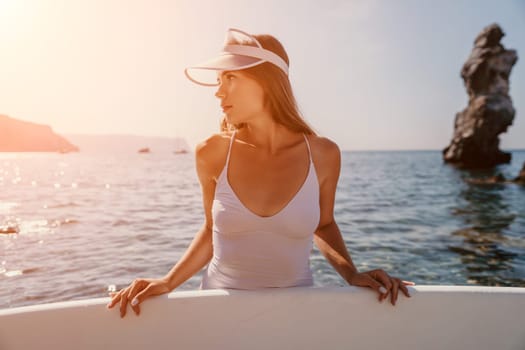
[[242, 97]]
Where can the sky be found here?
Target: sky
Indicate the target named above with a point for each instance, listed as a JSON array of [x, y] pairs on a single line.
[[368, 74]]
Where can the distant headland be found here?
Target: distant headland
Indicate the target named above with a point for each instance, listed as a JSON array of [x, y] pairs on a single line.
[[22, 136]]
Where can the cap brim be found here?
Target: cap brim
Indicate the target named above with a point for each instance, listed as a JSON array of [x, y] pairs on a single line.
[[205, 73]]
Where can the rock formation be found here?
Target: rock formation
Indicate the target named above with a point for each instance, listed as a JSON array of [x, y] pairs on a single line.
[[500, 179], [475, 143], [21, 136]]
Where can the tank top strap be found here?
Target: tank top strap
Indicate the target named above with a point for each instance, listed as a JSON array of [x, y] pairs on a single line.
[[309, 149], [229, 150]]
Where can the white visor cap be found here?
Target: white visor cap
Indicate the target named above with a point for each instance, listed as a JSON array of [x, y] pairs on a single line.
[[246, 53]]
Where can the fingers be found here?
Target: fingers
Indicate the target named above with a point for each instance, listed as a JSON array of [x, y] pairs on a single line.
[[122, 297], [134, 294], [139, 297], [135, 303], [386, 285], [398, 284], [404, 289], [366, 280], [153, 288], [123, 304], [136, 288], [129, 294], [115, 298], [135, 306], [382, 278], [395, 291]]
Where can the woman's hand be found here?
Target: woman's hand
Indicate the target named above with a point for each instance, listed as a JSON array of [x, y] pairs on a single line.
[[381, 282], [137, 292]]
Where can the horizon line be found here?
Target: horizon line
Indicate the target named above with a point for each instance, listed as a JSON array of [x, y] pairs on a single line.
[[519, 148]]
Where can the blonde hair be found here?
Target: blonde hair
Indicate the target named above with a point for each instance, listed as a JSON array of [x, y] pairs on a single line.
[[278, 92]]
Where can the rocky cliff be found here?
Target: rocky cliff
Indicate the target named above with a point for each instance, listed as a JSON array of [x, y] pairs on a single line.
[[475, 143], [21, 136]]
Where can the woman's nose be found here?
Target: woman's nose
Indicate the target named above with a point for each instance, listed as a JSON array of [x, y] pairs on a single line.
[[220, 92]]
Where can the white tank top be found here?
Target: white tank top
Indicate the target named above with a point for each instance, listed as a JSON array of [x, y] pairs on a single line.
[[252, 251]]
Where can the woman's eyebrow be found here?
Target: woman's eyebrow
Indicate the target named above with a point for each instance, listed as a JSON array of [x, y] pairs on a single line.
[[224, 72]]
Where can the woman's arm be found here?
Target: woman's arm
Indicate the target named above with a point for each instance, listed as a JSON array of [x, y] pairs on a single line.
[[328, 238], [200, 251], [209, 160], [330, 243], [194, 259]]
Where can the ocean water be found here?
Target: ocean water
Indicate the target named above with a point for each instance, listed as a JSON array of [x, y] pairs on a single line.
[[90, 222]]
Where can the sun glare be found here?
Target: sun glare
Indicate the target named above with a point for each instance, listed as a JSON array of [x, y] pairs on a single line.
[[14, 14], [7, 5], [9, 10]]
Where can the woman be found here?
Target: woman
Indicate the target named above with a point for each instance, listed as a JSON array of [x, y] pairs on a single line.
[[268, 186]]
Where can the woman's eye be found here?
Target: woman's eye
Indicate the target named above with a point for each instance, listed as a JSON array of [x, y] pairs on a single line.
[[226, 77]]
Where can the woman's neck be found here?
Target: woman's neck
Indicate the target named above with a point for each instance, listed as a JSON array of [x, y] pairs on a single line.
[[268, 136]]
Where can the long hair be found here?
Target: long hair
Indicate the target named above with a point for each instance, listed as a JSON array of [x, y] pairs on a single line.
[[278, 94]]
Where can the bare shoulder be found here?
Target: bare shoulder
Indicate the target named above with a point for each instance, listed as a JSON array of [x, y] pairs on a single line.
[[326, 156], [211, 153], [324, 150], [211, 144]]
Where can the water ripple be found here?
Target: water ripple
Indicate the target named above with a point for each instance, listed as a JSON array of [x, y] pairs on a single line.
[[113, 218]]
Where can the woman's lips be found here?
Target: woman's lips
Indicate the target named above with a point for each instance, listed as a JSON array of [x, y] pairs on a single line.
[[226, 108]]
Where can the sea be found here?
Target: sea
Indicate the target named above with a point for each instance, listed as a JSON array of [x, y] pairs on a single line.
[[91, 222]]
